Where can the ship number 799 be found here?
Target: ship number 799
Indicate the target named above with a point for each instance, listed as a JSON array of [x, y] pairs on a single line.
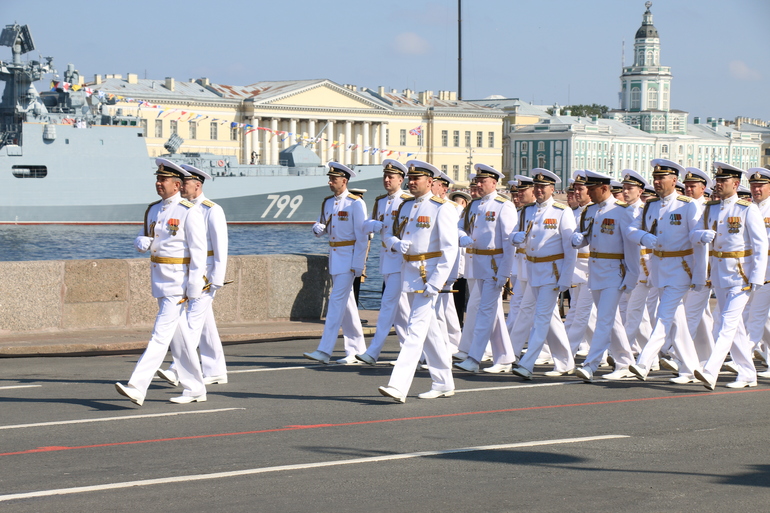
[[281, 202]]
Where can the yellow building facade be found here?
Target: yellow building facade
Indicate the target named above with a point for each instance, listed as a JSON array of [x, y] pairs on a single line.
[[355, 126]]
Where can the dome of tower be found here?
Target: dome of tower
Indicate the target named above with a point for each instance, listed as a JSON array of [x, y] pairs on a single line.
[[647, 30]]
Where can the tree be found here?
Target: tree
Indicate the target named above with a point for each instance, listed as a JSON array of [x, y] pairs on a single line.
[[583, 110]]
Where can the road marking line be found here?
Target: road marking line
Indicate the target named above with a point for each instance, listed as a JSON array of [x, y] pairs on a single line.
[[19, 386], [509, 387], [105, 419], [300, 466], [265, 369]]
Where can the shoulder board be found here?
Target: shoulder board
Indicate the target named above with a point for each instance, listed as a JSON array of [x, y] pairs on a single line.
[[713, 202], [655, 199], [527, 205], [378, 198], [501, 199], [560, 206], [154, 203], [686, 199], [621, 204], [406, 196], [186, 203], [438, 200], [353, 196], [452, 203], [327, 198], [744, 202], [209, 203]]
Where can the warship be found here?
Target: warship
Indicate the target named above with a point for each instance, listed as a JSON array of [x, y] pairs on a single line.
[[65, 160]]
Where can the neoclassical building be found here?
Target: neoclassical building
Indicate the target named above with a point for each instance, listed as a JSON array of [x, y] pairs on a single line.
[[338, 122]]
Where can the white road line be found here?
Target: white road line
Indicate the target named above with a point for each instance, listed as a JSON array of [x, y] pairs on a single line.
[[106, 419], [19, 386], [265, 369], [509, 387], [300, 466]]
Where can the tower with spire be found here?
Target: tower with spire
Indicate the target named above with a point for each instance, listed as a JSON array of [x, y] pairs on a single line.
[[645, 87]]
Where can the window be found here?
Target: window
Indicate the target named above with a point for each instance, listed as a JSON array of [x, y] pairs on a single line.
[[664, 148], [455, 172], [159, 128], [419, 139], [402, 137], [234, 133], [524, 164], [174, 126], [29, 171], [480, 139], [387, 137], [557, 163], [193, 130], [541, 146], [467, 139], [444, 168], [444, 138], [456, 138], [558, 146], [636, 98], [144, 127], [213, 131], [524, 147], [491, 139], [541, 161]]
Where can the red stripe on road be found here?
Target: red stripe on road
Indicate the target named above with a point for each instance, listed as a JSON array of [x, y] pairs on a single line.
[[364, 422]]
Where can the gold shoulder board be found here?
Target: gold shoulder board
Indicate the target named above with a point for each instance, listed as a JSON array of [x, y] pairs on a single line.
[[186, 203], [406, 196], [438, 200], [501, 199], [686, 199], [653, 199], [745, 203], [713, 202], [353, 196], [378, 198], [560, 206], [621, 204], [209, 203]]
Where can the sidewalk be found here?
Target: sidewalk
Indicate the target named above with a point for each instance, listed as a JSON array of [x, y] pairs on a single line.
[[116, 341]]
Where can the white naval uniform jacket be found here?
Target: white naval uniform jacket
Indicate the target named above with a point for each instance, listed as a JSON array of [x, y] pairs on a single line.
[[550, 236], [430, 223], [178, 233], [385, 209], [344, 217], [740, 229], [581, 263], [525, 214], [489, 220], [671, 219], [605, 227], [216, 235], [764, 211]]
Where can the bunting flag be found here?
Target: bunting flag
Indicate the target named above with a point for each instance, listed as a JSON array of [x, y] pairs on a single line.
[[416, 131]]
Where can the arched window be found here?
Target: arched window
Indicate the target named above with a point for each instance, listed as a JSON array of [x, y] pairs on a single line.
[[652, 98], [636, 98]]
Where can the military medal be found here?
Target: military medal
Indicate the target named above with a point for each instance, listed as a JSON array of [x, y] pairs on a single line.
[[342, 215], [608, 226], [173, 226], [767, 222], [423, 221], [490, 216], [676, 219], [734, 223], [550, 224]]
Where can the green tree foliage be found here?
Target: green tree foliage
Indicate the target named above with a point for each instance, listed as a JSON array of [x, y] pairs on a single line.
[[583, 110]]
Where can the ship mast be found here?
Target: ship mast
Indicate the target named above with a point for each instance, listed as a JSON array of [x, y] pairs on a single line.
[[459, 49]]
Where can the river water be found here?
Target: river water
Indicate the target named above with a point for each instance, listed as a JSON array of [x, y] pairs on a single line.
[[74, 242]]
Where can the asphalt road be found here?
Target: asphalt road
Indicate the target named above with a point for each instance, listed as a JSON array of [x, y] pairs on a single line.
[[288, 435]]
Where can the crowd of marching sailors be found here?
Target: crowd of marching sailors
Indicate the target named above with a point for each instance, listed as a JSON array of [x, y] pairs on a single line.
[[638, 261]]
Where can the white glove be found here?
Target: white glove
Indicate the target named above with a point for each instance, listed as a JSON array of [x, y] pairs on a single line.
[[577, 239], [318, 228], [430, 290], [518, 237], [649, 240], [698, 287], [465, 241], [564, 285], [402, 246], [708, 236], [357, 272], [142, 244], [627, 287], [372, 225], [500, 281]]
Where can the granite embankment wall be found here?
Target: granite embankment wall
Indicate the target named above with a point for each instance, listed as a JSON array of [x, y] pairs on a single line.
[[97, 294]]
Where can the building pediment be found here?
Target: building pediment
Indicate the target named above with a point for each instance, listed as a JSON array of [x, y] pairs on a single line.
[[324, 93]]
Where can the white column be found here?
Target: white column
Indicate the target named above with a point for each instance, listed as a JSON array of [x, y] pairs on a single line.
[[365, 143], [383, 145], [253, 140], [245, 144], [311, 134], [274, 141], [348, 141], [264, 154], [292, 129], [327, 144]]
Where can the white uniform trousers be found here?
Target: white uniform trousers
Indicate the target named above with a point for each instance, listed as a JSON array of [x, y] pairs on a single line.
[[203, 327], [583, 319], [520, 332], [490, 326], [755, 316], [545, 311], [448, 321], [423, 335], [342, 312], [513, 302], [610, 333], [474, 293], [730, 335], [638, 321], [394, 309], [671, 316], [700, 321], [170, 315]]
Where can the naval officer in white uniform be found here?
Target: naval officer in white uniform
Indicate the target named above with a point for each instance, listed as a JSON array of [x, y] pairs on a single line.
[[426, 235], [342, 219], [395, 306], [756, 313], [175, 235]]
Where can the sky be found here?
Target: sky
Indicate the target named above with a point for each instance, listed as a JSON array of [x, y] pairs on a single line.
[[541, 51]]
